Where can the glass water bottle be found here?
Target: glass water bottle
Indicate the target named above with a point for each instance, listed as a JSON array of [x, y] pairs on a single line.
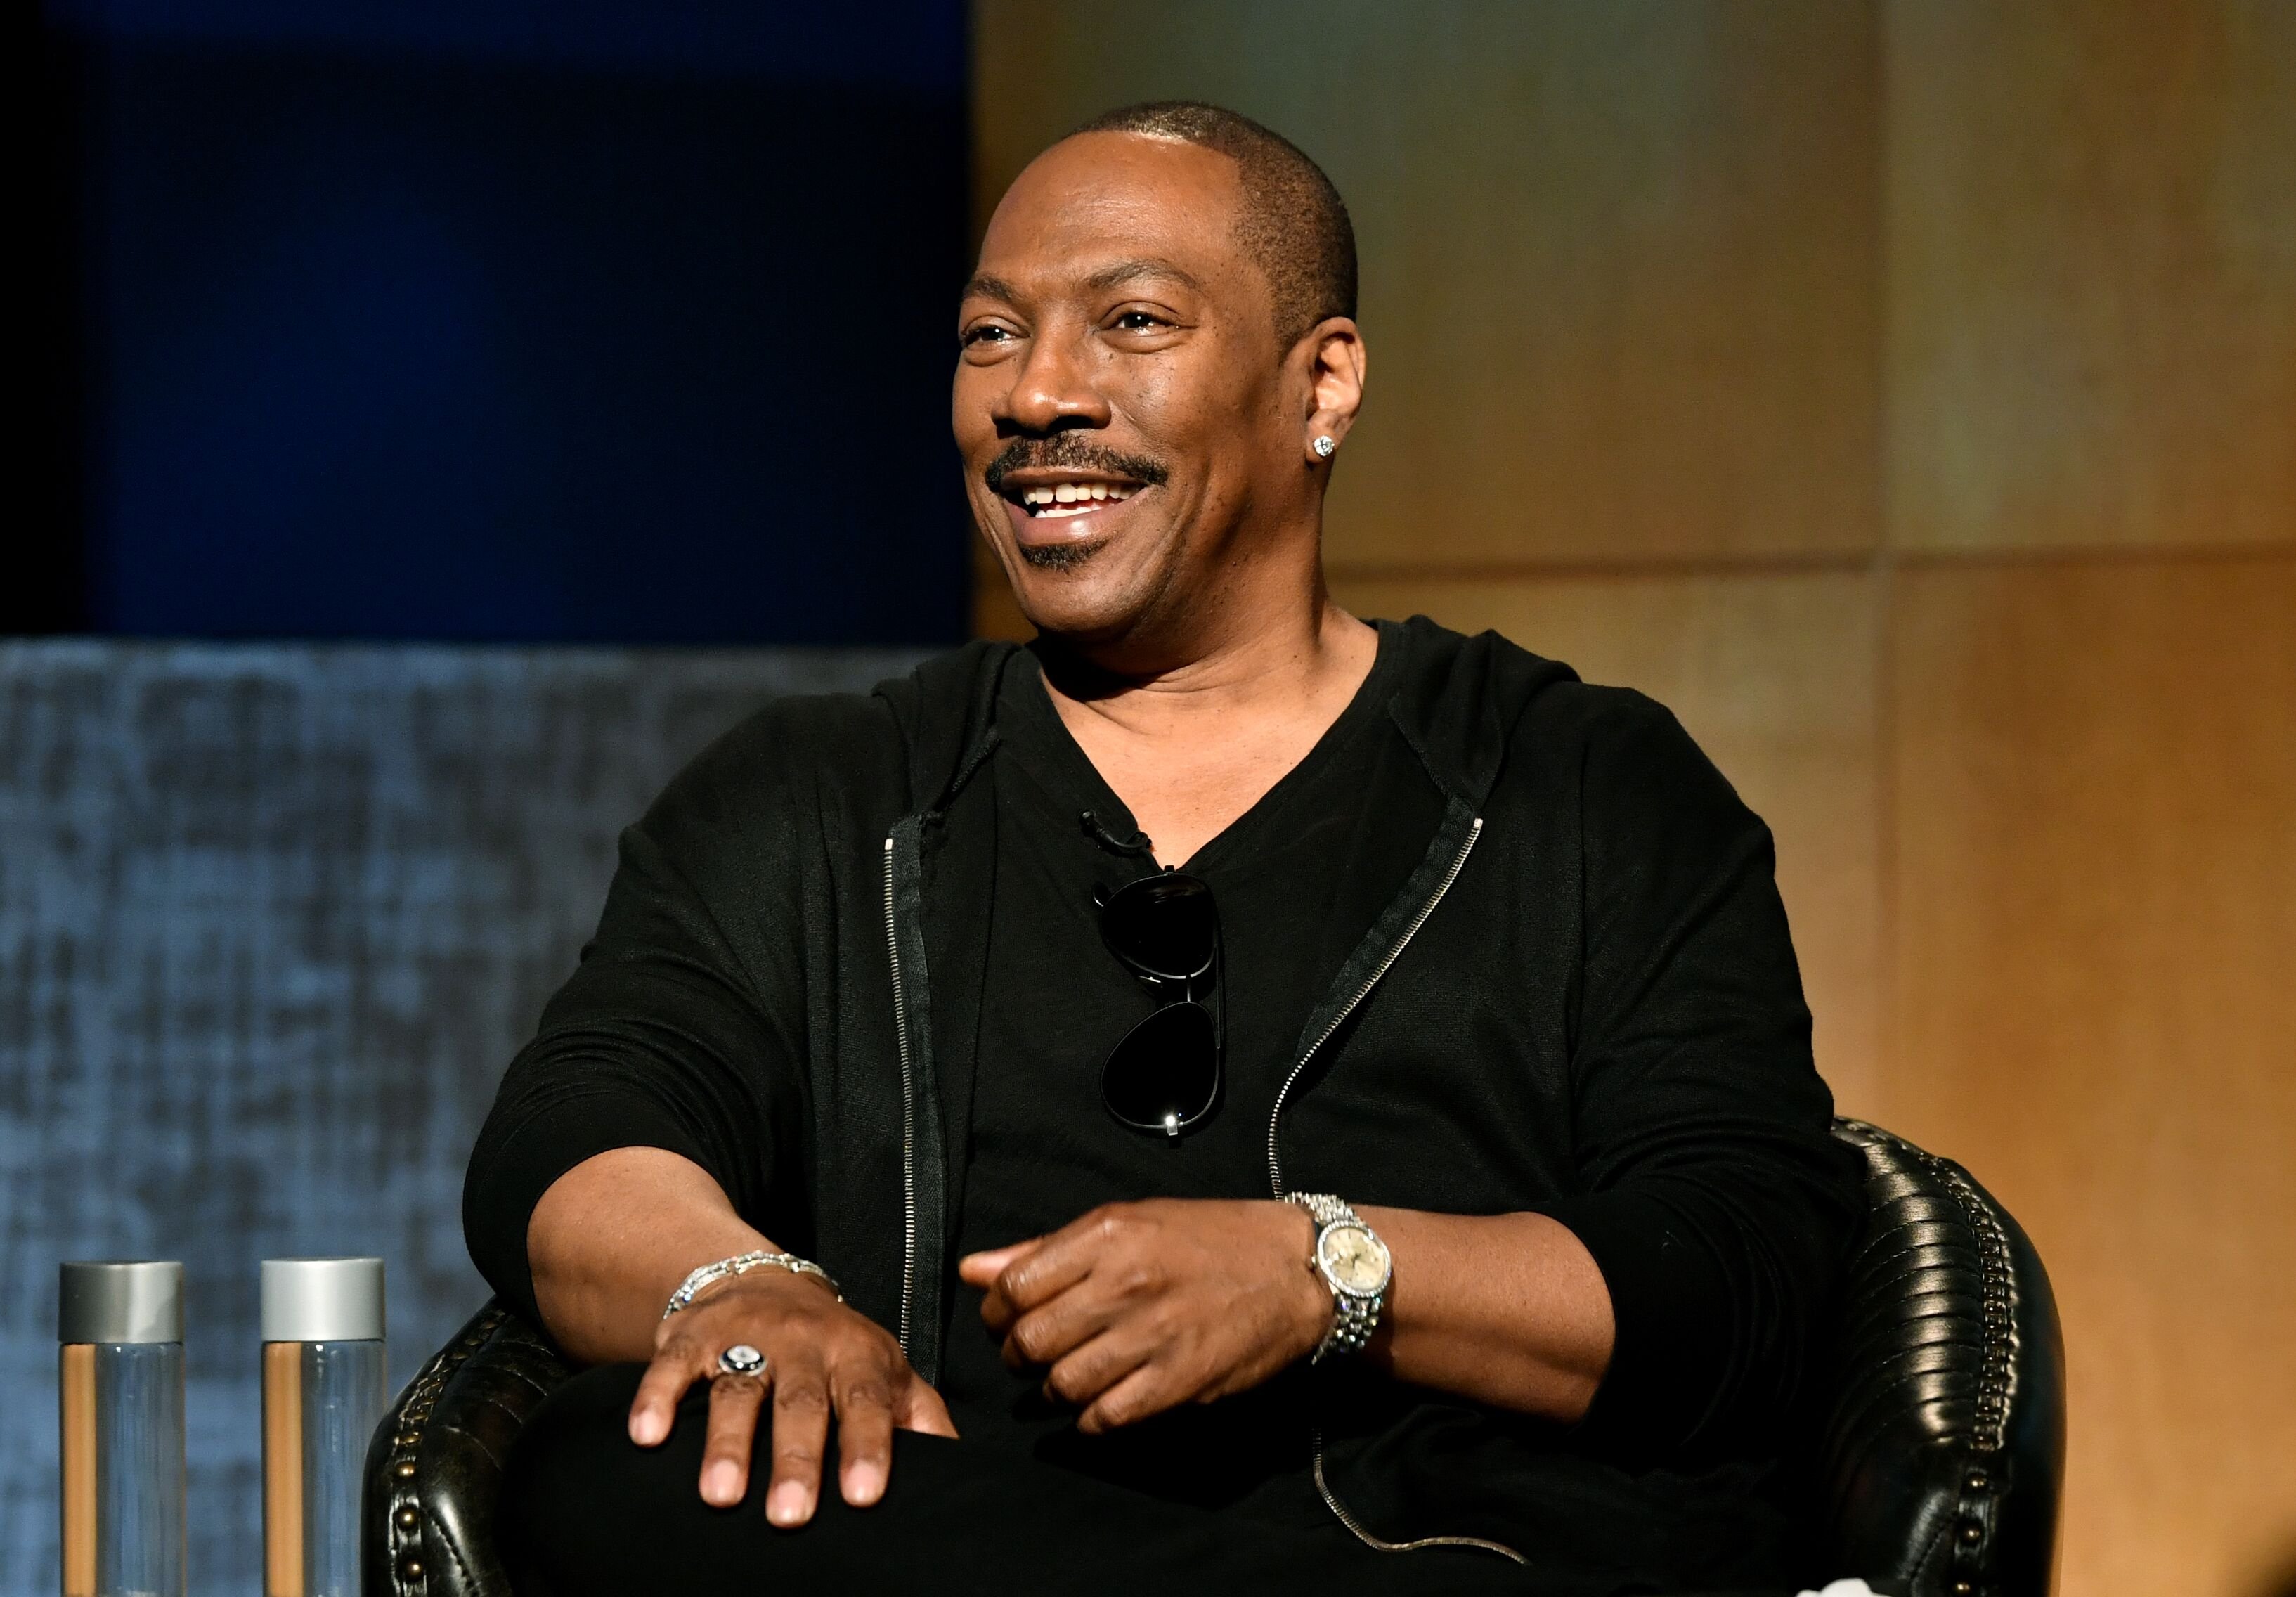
[[324, 1393], [120, 1388]]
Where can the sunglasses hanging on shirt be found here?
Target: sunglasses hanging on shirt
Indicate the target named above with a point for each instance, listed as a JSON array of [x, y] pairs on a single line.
[[1164, 1076]]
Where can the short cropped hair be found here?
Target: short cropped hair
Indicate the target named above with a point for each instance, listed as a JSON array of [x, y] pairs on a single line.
[[1294, 226]]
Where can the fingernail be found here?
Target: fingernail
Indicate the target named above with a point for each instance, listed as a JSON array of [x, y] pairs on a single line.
[[646, 1428], [787, 1505], [864, 1483], [721, 1483]]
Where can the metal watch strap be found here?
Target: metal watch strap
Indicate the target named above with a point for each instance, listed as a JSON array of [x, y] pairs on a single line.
[[741, 1264], [1353, 1321], [1353, 1318]]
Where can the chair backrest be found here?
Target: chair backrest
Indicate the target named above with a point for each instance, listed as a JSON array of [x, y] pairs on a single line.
[[1944, 1440]]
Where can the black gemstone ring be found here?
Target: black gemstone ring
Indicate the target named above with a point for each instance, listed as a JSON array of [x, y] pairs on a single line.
[[741, 1360]]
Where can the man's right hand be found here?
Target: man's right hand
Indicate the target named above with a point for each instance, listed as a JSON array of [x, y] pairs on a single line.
[[822, 1358]]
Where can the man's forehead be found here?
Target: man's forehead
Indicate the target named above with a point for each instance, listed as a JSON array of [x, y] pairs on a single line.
[[1093, 171], [1101, 209]]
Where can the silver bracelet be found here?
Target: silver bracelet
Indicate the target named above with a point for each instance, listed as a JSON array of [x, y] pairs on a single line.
[[741, 1264]]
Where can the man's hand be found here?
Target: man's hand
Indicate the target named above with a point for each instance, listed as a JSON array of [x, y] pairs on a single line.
[[822, 1358], [1138, 1307]]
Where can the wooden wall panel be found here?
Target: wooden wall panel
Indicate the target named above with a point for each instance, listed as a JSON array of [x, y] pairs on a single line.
[[2091, 272], [1643, 282], [1776, 678], [2097, 878], [1618, 285]]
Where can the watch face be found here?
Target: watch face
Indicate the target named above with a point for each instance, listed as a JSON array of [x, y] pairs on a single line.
[[1354, 1259]]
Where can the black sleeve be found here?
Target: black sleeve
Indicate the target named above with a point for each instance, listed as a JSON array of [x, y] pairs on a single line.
[[673, 1032], [1715, 1200]]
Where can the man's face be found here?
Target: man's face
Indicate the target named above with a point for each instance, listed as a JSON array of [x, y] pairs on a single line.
[[1120, 402]]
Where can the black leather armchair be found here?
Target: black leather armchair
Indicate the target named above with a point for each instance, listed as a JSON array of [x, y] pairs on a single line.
[[1940, 1455]]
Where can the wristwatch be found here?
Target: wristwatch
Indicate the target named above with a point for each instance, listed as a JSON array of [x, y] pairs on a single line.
[[1354, 1264]]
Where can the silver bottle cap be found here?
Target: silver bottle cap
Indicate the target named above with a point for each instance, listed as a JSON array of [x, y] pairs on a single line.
[[121, 1300], [322, 1300]]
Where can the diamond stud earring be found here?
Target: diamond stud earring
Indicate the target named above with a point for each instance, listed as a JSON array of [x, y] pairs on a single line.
[[1325, 446]]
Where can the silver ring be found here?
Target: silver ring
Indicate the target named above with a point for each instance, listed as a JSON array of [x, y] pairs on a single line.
[[742, 1360]]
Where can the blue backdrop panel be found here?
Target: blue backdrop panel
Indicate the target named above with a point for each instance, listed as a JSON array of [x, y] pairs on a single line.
[[919, 44], [272, 920], [615, 322]]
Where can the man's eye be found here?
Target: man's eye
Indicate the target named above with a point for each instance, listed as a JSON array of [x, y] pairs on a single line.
[[990, 335], [1139, 321]]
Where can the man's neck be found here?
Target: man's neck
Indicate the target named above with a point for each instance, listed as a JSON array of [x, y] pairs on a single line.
[[1190, 748], [1270, 664]]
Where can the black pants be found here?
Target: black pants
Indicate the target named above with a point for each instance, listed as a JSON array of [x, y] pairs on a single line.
[[587, 1510]]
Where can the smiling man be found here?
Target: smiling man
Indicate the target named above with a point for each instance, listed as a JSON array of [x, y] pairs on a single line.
[[1228, 1096]]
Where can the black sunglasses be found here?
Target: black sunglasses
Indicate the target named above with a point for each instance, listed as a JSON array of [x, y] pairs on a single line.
[[1165, 1074]]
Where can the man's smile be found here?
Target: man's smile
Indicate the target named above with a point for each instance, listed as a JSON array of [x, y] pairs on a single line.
[[1065, 507], [1072, 499], [1052, 492]]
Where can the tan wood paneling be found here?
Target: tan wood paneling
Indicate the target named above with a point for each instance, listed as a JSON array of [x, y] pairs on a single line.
[[2096, 1011], [1625, 295], [1618, 284], [2091, 272], [1775, 677]]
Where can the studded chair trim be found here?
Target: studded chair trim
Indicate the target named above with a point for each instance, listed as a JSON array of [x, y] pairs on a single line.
[[434, 1470], [1944, 1442]]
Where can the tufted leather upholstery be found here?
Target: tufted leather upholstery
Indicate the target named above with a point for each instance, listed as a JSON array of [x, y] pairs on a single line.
[[1944, 1443], [1941, 1453], [435, 1466]]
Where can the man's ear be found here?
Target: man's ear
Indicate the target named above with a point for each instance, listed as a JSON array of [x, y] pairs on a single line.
[[1335, 359]]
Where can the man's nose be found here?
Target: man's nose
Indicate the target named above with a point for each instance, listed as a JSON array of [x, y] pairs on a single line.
[[1053, 390]]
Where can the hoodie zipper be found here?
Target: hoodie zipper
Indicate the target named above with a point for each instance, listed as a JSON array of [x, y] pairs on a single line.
[[1380, 1544], [908, 1109], [1275, 1115], [1339, 1510]]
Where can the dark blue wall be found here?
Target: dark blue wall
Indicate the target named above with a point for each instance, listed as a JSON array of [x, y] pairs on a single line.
[[507, 321]]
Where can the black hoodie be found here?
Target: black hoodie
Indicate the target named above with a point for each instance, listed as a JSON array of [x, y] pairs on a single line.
[[1586, 987]]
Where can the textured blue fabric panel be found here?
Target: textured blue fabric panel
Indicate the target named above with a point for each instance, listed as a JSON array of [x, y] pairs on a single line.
[[272, 920]]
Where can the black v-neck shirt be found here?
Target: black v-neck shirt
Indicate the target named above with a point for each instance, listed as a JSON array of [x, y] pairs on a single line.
[[1602, 1023], [1298, 880]]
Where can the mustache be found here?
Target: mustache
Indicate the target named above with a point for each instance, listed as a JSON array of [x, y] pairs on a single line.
[[1072, 451]]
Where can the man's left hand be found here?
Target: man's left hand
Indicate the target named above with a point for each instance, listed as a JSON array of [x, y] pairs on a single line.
[[1138, 1307]]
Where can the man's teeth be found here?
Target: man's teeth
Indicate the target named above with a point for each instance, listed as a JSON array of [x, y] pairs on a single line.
[[1073, 498]]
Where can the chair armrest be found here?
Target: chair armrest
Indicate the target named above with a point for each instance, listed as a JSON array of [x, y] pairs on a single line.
[[435, 1468], [1944, 1440]]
